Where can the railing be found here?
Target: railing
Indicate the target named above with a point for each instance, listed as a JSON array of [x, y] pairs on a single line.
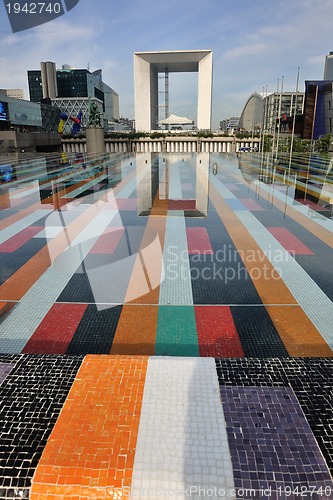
[[165, 145]]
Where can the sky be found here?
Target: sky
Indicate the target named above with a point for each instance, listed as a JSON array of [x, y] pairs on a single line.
[[254, 44]]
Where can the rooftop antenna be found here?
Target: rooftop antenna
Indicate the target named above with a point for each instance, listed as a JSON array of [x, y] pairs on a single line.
[[88, 66]]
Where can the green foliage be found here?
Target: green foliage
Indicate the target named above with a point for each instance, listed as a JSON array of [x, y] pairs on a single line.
[[204, 134], [156, 135], [322, 145], [267, 143]]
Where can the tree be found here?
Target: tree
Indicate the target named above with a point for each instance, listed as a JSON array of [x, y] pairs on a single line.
[[322, 145]]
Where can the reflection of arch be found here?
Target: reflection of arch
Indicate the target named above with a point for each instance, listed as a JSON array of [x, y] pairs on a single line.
[[251, 117], [147, 66]]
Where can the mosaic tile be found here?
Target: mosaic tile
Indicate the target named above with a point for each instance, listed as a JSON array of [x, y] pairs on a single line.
[[176, 333], [19, 239], [182, 440], [90, 451], [257, 333], [55, 332], [289, 241], [305, 290], [310, 379], [217, 334], [95, 332], [5, 369], [32, 396], [271, 444]]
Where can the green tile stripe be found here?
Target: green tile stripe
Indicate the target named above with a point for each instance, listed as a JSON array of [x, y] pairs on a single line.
[[176, 332]]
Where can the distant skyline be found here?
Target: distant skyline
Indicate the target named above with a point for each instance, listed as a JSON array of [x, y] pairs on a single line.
[[254, 43]]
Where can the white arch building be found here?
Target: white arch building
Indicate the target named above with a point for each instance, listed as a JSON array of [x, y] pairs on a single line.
[[147, 66]]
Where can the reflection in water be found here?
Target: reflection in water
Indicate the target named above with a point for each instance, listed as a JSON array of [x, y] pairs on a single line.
[[160, 189], [308, 181]]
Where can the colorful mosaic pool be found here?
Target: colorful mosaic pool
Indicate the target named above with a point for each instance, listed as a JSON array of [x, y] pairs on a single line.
[[166, 327]]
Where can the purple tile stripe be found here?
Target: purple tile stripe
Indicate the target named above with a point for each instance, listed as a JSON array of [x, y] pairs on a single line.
[[5, 369], [271, 443]]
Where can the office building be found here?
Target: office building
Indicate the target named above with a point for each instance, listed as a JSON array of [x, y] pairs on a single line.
[[229, 125], [279, 109], [72, 90], [318, 109], [148, 66], [328, 69], [251, 117], [16, 93]]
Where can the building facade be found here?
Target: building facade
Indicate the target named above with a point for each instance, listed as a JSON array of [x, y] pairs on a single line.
[[72, 90], [252, 114], [328, 68], [148, 66], [16, 93], [229, 125], [318, 109], [279, 109], [21, 115]]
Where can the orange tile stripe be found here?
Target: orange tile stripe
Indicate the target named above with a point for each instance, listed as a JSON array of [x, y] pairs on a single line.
[[317, 230], [5, 307], [90, 452], [136, 329], [297, 332], [272, 291], [20, 282]]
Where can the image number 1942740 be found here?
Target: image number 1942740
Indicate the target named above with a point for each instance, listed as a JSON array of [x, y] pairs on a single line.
[[25, 15]]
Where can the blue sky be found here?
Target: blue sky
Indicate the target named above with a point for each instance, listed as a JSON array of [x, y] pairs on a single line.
[[254, 43]]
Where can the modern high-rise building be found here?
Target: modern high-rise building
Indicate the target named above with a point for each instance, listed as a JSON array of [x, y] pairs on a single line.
[[72, 90], [251, 117], [328, 69], [318, 108], [279, 109]]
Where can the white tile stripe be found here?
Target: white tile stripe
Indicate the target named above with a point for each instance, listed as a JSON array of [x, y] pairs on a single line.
[[17, 328], [23, 223], [299, 207], [25, 192], [274, 193], [85, 187], [175, 188], [314, 302], [182, 439], [176, 288]]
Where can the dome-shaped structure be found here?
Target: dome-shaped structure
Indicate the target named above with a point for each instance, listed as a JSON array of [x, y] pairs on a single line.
[[251, 117]]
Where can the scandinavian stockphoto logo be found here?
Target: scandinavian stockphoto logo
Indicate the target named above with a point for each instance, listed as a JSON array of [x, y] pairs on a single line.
[[24, 15]]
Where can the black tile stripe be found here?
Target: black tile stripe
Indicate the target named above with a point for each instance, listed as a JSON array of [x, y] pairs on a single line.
[[96, 331], [31, 398], [257, 333]]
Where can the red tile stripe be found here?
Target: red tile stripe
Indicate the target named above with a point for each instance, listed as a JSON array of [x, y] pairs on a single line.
[[181, 205], [108, 241], [56, 330], [217, 334], [251, 204], [198, 241], [289, 241], [123, 204], [19, 239]]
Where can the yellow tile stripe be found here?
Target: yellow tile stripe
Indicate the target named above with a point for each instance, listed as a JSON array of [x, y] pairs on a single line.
[[90, 452]]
